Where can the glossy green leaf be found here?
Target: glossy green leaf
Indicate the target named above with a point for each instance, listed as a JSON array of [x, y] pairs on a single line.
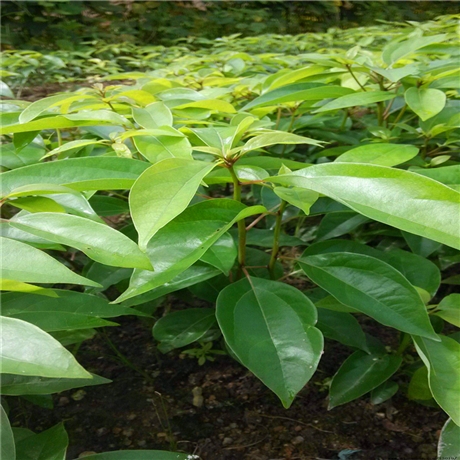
[[197, 273], [98, 241], [421, 246], [449, 175], [69, 310], [379, 154], [39, 355], [185, 240], [77, 173], [7, 447], [16, 385], [141, 455], [442, 360], [341, 327], [221, 254], [449, 441], [269, 326], [109, 205], [297, 92], [264, 238], [47, 445], [182, 328], [425, 102], [356, 99], [78, 144], [270, 162], [449, 309], [162, 192], [372, 287], [395, 197], [359, 374], [277, 137], [18, 286], [419, 271], [22, 262], [384, 392], [211, 104], [299, 197]]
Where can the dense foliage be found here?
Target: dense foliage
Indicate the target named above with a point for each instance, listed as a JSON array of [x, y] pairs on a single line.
[[237, 176], [50, 23]]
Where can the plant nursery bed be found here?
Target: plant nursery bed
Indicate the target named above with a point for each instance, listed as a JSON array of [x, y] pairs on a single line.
[[221, 411]]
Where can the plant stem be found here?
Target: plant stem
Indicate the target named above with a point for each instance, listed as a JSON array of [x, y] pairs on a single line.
[[291, 124], [276, 238], [58, 132], [354, 77], [278, 118], [241, 224], [400, 114], [344, 121]]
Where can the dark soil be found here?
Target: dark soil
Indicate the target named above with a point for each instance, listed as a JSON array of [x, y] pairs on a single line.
[[239, 417]]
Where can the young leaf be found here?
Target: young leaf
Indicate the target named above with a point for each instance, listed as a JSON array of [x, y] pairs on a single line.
[[98, 241], [162, 192], [395, 197], [39, 354], [22, 262], [359, 374], [442, 361], [269, 326], [372, 287], [425, 102], [93, 173], [153, 116]]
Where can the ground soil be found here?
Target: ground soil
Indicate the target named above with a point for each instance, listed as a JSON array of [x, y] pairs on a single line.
[[239, 417]]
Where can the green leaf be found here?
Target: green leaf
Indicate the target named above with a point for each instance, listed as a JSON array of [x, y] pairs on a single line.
[[419, 389], [425, 102], [449, 175], [221, 254], [359, 374], [211, 104], [341, 327], [442, 361], [397, 49], [339, 223], [195, 274], [419, 271], [77, 173], [16, 385], [185, 240], [449, 441], [159, 148], [162, 192], [298, 92], [270, 162], [140, 455], [7, 447], [47, 445], [98, 241], [449, 309], [39, 355], [384, 392], [181, 328], [423, 247], [379, 154], [78, 144], [395, 197], [356, 99], [372, 287], [277, 137], [69, 310], [153, 116], [299, 197], [22, 262], [264, 238], [17, 286], [269, 326]]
